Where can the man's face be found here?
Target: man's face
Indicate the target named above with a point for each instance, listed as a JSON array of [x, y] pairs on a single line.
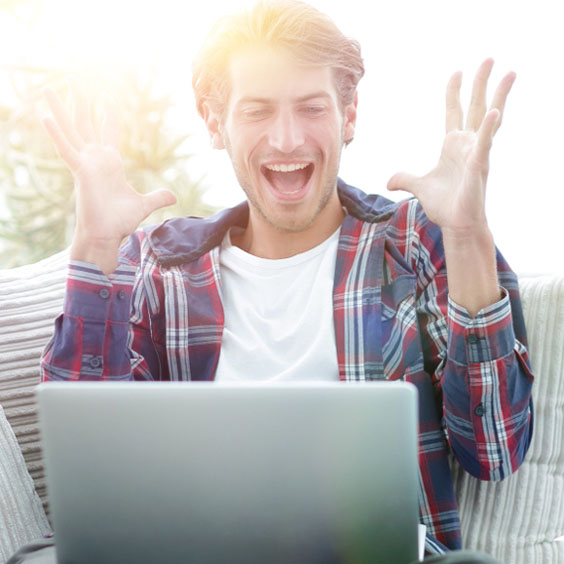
[[284, 131]]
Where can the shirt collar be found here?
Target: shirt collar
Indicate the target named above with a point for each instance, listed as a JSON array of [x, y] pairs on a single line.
[[184, 239]]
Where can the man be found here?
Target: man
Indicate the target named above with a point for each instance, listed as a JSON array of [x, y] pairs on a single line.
[[309, 277]]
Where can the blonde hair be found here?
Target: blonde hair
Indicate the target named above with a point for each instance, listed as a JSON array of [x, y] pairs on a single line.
[[306, 33]]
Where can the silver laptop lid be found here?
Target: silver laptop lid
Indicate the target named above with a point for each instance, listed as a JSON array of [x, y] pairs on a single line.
[[209, 473]]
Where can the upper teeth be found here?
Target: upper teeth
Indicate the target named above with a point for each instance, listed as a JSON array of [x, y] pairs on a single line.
[[286, 167]]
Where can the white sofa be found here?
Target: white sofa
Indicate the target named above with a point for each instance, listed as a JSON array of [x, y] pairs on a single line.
[[516, 520]]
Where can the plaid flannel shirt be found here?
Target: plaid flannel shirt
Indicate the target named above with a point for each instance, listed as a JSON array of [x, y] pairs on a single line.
[[159, 316]]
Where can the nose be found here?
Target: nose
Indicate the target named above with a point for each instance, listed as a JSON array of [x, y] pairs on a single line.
[[286, 132]]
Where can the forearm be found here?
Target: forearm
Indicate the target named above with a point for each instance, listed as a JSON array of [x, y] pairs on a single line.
[[478, 359], [471, 269]]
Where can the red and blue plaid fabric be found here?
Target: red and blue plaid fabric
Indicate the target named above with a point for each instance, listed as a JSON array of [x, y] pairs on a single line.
[[159, 316]]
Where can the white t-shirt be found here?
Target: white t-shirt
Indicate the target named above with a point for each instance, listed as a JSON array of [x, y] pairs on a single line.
[[278, 315]]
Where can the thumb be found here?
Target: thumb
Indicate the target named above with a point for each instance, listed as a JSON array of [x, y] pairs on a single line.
[[403, 181], [157, 199]]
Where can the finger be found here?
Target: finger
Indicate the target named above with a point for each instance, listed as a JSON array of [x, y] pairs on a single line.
[[156, 200], [61, 118], [477, 108], [453, 106], [64, 149], [500, 96], [404, 181], [110, 124], [81, 114], [486, 133]]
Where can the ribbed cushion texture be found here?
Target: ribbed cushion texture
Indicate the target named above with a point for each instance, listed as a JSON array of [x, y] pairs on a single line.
[[515, 520], [30, 298], [22, 518]]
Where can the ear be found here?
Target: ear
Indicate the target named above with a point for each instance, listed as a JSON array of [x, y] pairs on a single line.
[[214, 127], [350, 119]]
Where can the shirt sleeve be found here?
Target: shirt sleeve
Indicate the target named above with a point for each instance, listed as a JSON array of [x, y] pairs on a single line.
[[487, 390], [91, 335], [479, 366]]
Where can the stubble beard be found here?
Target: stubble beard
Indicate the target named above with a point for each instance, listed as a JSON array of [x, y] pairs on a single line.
[[292, 225]]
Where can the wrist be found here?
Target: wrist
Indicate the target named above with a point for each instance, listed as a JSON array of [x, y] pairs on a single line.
[[471, 268], [469, 237], [101, 252]]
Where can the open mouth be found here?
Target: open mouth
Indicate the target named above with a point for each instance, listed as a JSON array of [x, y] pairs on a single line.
[[289, 180]]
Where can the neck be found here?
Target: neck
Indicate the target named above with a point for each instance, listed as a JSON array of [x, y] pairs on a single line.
[[262, 239]]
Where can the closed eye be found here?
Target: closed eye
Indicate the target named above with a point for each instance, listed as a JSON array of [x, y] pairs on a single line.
[[313, 110], [255, 114]]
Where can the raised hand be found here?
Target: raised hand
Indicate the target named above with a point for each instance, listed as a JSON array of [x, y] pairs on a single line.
[[107, 206], [453, 193]]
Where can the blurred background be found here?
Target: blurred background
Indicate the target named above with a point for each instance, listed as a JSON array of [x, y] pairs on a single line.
[[139, 53]]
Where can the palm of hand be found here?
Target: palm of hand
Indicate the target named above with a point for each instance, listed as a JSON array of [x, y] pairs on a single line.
[[100, 180], [453, 193], [108, 207]]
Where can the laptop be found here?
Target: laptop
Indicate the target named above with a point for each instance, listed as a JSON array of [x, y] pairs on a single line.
[[241, 474]]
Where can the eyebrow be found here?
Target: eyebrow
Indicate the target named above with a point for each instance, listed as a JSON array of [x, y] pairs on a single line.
[[259, 100]]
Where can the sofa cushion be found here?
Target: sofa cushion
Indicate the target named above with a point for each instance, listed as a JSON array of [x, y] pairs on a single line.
[[22, 518], [30, 298], [518, 519]]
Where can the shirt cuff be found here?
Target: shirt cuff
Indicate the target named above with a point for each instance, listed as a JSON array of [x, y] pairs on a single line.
[[487, 336], [94, 296]]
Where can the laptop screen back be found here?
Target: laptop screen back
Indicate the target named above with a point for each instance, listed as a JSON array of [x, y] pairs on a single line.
[[209, 473]]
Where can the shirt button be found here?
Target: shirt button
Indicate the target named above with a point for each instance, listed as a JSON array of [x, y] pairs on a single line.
[[94, 362], [104, 293], [479, 411], [472, 338], [121, 295]]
